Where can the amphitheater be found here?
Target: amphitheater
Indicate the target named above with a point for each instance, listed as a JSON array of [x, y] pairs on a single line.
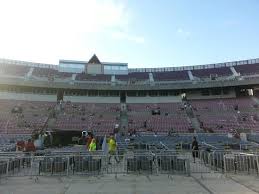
[[158, 111]]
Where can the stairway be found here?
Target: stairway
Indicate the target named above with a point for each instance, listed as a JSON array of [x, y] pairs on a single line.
[[123, 119], [6, 126], [193, 119], [51, 123], [196, 124], [256, 100]]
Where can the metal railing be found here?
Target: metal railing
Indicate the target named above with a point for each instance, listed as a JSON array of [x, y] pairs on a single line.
[[241, 163], [141, 162], [92, 164]]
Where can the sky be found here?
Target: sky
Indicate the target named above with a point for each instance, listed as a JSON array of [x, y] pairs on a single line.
[[143, 33]]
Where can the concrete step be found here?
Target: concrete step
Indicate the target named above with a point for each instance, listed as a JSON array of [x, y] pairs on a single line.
[[195, 124]]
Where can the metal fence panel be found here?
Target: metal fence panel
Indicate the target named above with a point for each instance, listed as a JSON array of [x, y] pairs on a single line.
[[146, 162], [240, 163]]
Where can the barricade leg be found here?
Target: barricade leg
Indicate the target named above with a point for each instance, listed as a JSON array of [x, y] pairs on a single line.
[[188, 167]]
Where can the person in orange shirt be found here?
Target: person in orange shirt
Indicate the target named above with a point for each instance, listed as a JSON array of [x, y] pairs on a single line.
[[20, 145], [30, 147]]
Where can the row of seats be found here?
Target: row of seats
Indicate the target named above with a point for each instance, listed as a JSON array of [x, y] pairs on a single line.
[[19, 70], [101, 118], [223, 115], [88, 77], [23, 116], [171, 142], [50, 73], [161, 117]]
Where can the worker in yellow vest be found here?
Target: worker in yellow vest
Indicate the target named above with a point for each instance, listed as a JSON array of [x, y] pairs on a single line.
[[92, 146], [112, 149]]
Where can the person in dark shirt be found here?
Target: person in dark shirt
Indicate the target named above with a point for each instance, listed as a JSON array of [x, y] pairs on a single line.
[[195, 149]]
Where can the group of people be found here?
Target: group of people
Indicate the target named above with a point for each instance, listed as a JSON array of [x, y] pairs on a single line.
[[91, 145], [25, 146]]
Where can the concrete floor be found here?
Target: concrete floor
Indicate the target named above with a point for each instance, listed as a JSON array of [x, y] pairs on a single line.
[[132, 184]]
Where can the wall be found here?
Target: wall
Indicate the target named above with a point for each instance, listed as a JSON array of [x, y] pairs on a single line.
[[94, 68], [70, 67], [115, 72], [87, 99], [115, 69], [27, 97], [197, 95], [149, 99]]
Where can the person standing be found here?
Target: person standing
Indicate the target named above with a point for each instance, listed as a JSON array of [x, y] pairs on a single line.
[[30, 147], [92, 145], [195, 149], [89, 139], [112, 147]]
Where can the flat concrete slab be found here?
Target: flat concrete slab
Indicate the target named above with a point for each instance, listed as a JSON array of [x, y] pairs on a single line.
[[130, 184]]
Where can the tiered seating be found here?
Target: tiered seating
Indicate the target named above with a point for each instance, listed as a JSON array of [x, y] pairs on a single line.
[[171, 76], [100, 118], [35, 114], [17, 70], [223, 115], [17, 117], [8, 141], [63, 75], [206, 73], [88, 77], [249, 69], [44, 72], [50, 73], [253, 137], [165, 123], [172, 116], [172, 142], [135, 76]]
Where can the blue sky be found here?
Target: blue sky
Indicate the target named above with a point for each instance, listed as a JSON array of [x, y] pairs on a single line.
[[144, 33]]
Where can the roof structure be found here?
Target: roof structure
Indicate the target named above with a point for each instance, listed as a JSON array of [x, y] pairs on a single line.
[[94, 60]]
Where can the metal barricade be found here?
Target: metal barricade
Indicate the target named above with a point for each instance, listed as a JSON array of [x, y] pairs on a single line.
[[172, 164], [215, 160], [138, 162], [50, 165], [3, 168], [241, 163], [85, 164]]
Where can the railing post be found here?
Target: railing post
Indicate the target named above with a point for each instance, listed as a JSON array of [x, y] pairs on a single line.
[[7, 167], [188, 167], [225, 165], [156, 165], [31, 168], [124, 164], [68, 165], [213, 160], [257, 164], [209, 161], [52, 167]]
